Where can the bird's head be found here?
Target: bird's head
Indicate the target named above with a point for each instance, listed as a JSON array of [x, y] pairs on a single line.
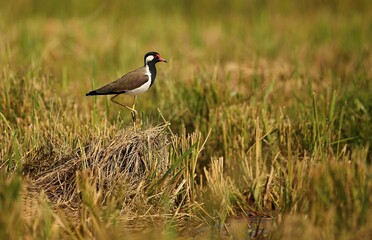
[[153, 57]]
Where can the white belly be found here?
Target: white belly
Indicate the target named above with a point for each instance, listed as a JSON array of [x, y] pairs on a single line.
[[140, 90], [143, 88]]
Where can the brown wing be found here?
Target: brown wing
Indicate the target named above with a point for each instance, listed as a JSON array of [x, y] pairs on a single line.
[[129, 81]]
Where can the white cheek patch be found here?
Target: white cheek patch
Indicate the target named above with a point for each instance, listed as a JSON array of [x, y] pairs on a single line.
[[149, 58]]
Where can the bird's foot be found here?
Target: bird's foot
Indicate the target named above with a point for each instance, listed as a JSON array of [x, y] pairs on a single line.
[[136, 122], [134, 115]]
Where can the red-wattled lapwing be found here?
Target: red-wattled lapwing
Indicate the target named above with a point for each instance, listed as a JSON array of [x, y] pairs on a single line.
[[133, 83]]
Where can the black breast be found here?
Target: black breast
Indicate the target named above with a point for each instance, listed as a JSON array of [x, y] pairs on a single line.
[[152, 69]]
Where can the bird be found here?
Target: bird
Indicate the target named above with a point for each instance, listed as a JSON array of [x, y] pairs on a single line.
[[132, 83]]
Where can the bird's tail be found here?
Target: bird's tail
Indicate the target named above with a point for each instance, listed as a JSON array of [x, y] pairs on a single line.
[[92, 93]]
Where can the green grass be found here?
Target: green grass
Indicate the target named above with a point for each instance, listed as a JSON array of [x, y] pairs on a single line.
[[258, 127]]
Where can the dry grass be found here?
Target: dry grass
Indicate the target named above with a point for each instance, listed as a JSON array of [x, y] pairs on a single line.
[[129, 158], [264, 130]]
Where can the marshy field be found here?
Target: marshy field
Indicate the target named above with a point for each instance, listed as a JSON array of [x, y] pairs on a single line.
[[258, 127]]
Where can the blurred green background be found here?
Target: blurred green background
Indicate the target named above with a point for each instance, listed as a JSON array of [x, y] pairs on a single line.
[[277, 51]]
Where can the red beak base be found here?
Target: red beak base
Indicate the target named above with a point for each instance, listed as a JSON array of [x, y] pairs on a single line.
[[161, 59]]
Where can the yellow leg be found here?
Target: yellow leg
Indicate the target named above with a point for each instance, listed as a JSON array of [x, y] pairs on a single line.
[[133, 111], [134, 102]]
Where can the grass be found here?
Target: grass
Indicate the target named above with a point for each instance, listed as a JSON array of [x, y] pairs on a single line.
[[258, 127]]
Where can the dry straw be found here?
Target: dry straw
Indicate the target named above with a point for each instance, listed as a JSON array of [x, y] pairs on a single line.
[[124, 162]]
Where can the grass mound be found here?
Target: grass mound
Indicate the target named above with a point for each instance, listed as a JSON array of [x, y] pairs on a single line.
[[122, 162]]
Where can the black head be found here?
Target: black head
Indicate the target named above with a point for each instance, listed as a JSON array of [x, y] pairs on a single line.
[[153, 57]]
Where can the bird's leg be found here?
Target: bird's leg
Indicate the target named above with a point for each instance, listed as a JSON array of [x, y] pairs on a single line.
[[134, 112], [134, 103]]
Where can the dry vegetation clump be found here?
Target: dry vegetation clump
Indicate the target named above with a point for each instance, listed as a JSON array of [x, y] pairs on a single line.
[[131, 157]]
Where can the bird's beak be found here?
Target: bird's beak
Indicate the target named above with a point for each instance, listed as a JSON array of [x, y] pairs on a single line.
[[162, 59]]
